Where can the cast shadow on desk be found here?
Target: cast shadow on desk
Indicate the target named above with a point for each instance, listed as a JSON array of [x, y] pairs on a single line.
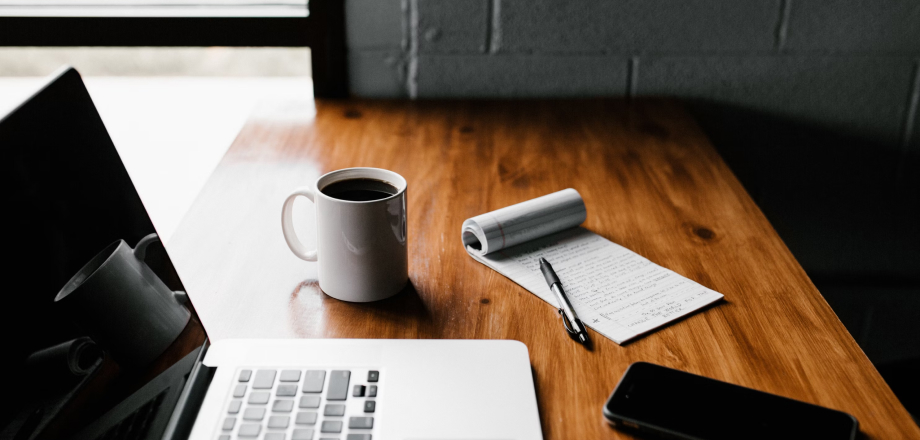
[[846, 202], [589, 344], [404, 315]]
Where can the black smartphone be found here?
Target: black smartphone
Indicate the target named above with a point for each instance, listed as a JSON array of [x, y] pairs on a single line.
[[673, 404]]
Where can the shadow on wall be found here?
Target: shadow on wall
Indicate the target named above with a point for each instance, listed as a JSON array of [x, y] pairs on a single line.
[[849, 210]]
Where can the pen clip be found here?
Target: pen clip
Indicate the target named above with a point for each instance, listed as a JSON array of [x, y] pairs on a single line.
[[567, 323]]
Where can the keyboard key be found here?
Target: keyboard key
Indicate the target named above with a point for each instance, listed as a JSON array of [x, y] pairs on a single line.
[[338, 385], [358, 437], [313, 381], [253, 413], [290, 376], [234, 406], [334, 410], [249, 430], [259, 397], [309, 401], [224, 437], [305, 418], [283, 405], [274, 436], [264, 380], [286, 390], [240, 390], [370, 406], [278, 422], [360, 422], [229, 422], [358, 391], [244, 375], [373, 376], [331, 426], [372, 391], [302, 434]]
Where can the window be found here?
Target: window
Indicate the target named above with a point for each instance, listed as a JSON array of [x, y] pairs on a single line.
[[318, 25], [154, 8]]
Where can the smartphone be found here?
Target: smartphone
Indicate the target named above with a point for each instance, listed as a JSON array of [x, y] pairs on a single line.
[[673, 404]]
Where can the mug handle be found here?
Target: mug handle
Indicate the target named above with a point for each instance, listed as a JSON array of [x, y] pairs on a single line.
[[140, 251], [287, 224]]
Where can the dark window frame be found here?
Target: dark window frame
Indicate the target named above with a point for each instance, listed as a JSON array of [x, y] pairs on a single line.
[[323, 31]]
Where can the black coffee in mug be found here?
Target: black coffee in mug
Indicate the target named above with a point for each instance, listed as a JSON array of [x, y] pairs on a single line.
[[359, 190]]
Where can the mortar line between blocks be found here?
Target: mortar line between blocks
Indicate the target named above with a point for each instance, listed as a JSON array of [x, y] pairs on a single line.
[[495, 30], [632, 77], [487, 45], [782, 26], [911, 117], [412, 74]]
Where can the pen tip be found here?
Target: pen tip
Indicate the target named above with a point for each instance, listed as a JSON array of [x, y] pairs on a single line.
[[542, 260]]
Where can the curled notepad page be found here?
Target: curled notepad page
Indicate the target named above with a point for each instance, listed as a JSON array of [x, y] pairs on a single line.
[[516, 224]]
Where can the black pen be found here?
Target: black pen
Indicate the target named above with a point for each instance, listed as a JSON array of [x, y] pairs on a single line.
[[570, 320]]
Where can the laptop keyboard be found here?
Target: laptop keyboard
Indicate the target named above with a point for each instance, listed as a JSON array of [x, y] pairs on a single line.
[[301, 404]]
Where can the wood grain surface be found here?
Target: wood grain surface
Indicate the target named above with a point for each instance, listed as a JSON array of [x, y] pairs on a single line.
[[651, 181]]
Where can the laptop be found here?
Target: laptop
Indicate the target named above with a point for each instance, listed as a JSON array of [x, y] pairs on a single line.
[[68, 196]]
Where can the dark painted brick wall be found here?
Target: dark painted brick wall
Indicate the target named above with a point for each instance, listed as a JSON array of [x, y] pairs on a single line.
[[450, 76], [453, 26], [629, 26], [854, 26], [862, 95], [839, 64]]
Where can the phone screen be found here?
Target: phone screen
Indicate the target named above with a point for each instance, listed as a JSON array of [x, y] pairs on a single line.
[[685, 405]]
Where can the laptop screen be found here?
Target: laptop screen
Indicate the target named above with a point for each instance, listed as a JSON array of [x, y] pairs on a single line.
[[88, 316]]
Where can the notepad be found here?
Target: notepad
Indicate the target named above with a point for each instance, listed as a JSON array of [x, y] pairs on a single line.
[[614, 290]]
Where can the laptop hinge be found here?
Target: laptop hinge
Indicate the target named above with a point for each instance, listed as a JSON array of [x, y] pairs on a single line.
[[186, 409]]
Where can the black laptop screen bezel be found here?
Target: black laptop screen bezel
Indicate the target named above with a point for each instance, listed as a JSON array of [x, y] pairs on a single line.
[[68, 196]]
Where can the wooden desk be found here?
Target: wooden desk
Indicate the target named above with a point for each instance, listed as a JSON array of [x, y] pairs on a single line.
[[651, 181]]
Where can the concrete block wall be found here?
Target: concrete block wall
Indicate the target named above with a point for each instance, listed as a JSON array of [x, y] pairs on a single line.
[[849, 65]]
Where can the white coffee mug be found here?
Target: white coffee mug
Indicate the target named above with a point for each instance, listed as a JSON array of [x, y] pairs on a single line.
[[361, 245]]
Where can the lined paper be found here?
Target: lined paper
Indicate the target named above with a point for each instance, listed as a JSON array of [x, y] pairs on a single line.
[[614, 290]]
